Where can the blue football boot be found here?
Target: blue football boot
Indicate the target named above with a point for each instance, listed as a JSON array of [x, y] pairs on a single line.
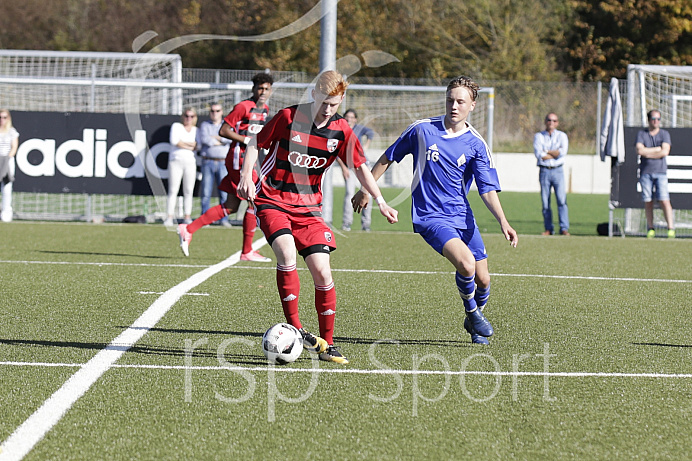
[[475, 337], [478, 323]]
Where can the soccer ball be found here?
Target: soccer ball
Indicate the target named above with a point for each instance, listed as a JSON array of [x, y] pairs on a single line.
[[282, 344]]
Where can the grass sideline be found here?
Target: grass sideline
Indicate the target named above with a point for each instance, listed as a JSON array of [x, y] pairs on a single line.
[[608, 324], [523, 211]]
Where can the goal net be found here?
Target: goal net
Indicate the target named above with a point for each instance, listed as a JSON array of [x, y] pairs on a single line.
[[50, 81], [664, 88]]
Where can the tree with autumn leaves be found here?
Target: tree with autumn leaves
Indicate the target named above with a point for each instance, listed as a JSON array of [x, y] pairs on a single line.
[[606, 36], [520, 40]]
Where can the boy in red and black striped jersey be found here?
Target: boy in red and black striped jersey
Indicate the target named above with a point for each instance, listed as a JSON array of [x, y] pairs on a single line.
[[241, 125], [303, 141]]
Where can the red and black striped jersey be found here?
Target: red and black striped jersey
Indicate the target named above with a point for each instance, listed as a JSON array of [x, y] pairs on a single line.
[[299, 154], [246, 119]]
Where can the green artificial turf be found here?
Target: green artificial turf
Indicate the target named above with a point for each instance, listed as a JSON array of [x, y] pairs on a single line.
[[590, 359], [522, 209]]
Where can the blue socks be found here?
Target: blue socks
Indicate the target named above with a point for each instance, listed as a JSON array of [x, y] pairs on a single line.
[[482, 295], [467, 290]]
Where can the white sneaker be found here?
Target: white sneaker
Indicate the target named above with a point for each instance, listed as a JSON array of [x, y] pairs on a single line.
[[185, 239], [254, 256], [168, 222]]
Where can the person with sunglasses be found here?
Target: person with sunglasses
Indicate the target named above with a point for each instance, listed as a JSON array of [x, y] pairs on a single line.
[[653, 146], [214, 148], [550, 148], [182, 165]]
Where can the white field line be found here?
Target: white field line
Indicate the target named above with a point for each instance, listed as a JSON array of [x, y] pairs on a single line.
[[376, 371], [78, 263], [31, 431], [161, 292], [368, 271]]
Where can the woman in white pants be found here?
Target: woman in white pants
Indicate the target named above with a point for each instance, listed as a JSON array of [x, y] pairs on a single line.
[[9, 141], [182, 165]]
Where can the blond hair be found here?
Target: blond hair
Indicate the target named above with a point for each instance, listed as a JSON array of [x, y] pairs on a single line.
[[331, 83], [188, 109], [8, 125]]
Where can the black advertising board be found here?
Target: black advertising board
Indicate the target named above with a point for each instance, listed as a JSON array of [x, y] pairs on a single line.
[[91, 153], [625, 192]]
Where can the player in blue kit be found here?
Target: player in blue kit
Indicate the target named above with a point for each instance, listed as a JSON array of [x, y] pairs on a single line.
[[448, 154]]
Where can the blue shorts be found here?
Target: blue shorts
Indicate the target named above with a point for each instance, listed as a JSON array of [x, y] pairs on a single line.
[[437, 235], [656, 180]]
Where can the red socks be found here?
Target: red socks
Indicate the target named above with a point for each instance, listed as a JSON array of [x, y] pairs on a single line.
[[249, 226], [325, 303], [213, 214], [217, 212], [288, 282]]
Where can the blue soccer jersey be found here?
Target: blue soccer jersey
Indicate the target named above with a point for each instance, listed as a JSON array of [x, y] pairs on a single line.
[[444, 167]]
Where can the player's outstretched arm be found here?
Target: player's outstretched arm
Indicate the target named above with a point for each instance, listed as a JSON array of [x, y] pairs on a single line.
[[492, 201], [361, 199], [246, 187], [369, 184]]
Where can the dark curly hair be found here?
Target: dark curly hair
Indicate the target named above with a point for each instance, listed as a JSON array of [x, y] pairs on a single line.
[[262, 78]]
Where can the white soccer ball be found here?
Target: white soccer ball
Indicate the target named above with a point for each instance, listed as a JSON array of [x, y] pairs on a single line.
[[282, 344]]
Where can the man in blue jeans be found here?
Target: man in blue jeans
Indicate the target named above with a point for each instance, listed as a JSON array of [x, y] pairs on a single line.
[[214, 150], [550, 148], [653, 146]]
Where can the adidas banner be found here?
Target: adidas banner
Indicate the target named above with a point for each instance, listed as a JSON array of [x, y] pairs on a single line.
[[91, 153]]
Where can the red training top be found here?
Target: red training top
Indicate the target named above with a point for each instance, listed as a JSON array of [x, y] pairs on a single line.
[[246, 119]]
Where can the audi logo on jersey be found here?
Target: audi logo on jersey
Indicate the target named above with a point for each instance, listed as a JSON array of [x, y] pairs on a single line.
[[306, 161], [254, 128]]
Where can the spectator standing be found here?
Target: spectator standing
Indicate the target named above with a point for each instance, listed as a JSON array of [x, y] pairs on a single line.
[[303, 141], [213, 149], [182, 165], [653, 146], [9, 141], [365, 136], [550, 148], [241, 125], [448, 154]]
